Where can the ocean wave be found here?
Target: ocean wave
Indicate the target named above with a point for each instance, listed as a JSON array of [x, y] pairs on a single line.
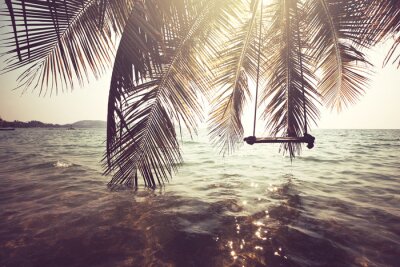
[[321, 160], [62, 164]]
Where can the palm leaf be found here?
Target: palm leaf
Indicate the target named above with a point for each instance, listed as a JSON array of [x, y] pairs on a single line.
[[336, 30], [237, 66], [394, 53], [383, 17], [290, 93], [385, 23], [152, 90], [62, 41]]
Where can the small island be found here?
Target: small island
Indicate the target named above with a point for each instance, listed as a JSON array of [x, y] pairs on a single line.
[[38, 124]]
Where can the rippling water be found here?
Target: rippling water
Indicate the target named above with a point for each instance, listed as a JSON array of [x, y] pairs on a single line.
[[336, 205]]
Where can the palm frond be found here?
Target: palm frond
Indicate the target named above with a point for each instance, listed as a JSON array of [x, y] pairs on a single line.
[[153, 89], [394, 53], [61, 41], [290, 93], [383, 17], [385, 23], [236, 68], [336, 29]]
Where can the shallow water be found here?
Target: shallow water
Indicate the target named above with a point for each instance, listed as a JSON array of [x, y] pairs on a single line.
[[336, 205]]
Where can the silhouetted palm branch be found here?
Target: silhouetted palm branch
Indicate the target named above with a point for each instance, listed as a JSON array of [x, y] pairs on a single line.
[[236, 67], [335, 29], [152, 89], [63, 41], [385, 20], [289, 73]]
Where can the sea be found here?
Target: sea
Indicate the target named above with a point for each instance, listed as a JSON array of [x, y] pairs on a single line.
[[337, 204]]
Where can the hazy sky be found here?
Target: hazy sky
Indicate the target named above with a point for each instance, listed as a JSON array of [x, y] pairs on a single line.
[[378, 108]]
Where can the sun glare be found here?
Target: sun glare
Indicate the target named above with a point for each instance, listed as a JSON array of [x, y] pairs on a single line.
[[267, 2]]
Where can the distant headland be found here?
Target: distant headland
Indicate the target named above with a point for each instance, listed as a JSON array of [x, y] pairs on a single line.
[[39, 124]]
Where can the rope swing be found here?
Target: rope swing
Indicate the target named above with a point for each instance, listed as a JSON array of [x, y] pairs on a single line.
[[306, 138]]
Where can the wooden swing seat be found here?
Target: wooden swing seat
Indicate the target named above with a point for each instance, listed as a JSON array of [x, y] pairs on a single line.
[[307, 138]]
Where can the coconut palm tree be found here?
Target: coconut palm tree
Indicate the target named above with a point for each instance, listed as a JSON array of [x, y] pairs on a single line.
[[167, 54]]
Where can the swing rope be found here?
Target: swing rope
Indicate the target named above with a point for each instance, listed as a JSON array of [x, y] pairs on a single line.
[[258, 70], [301, 73], [307, 138]]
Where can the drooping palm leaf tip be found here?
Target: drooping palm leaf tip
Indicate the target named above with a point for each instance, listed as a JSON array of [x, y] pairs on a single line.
[[172, 52]]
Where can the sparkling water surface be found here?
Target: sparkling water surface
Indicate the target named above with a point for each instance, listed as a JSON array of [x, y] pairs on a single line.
[[336, 205]]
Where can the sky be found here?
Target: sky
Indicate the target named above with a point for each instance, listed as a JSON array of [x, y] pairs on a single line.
[[379, 108]]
